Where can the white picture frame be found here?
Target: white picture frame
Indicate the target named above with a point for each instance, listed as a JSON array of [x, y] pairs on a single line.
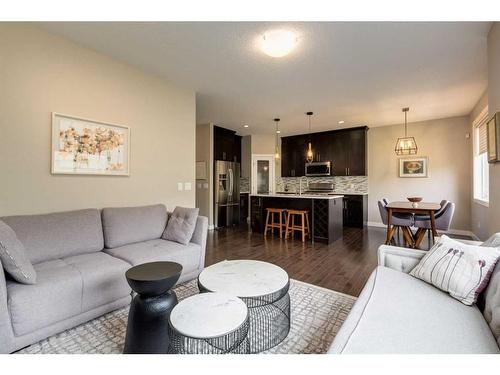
[[414, 167], [81, 146]]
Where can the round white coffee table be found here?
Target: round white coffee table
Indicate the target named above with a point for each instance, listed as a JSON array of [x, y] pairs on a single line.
[[209, 323], [263, 287]]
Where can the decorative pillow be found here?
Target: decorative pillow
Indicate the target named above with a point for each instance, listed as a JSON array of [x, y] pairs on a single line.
[[180, 227], [13, 256], [459, 269], [493, 241]]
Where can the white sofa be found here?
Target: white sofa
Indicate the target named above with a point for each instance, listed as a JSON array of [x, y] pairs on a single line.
[[397, 313]]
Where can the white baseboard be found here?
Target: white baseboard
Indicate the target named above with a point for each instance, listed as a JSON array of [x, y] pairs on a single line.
[[459, 232], [211, 227]]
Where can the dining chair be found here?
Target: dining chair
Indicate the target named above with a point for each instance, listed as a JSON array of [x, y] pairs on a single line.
[[427, 217], [443, 219], [399, 221]]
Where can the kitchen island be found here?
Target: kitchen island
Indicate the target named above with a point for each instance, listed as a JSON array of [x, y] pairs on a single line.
[[325, 212]]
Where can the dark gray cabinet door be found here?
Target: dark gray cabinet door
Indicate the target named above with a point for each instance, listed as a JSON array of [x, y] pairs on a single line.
[[357, 153], [338, 149]]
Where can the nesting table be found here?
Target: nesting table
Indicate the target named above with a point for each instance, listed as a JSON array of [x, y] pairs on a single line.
[[147, 328], [209, 323], [263, 287]]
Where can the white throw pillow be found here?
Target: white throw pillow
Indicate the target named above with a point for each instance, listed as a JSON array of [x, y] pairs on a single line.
[[459, 269]]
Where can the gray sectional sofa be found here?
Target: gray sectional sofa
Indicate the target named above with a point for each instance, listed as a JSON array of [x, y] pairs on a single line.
[[80, 258], [397, 313]]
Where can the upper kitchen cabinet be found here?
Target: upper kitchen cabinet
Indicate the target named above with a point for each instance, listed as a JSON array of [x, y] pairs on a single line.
[[356, 154], [227, 145], [345, 148], [293, 155]]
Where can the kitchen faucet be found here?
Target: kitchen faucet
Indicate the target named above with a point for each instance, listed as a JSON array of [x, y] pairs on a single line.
[[300, 184]]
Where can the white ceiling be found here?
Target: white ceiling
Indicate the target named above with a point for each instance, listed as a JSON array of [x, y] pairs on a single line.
[[362, 73]]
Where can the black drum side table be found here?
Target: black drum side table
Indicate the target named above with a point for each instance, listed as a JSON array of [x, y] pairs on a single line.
[[147, 328]]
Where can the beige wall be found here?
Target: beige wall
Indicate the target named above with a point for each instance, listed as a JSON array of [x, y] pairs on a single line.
[[246, 156], [479, 212], [205, 152], [493, 107], [265, 144], [42, 73], [443, 142]]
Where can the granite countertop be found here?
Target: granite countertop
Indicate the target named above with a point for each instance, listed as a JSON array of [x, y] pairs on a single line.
[[297, 196]]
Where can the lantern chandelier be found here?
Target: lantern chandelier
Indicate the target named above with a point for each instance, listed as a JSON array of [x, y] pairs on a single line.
[[406, 145]]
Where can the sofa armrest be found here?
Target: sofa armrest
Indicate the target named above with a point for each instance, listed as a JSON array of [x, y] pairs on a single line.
[[200, 238], [399, 258], [6, 333]]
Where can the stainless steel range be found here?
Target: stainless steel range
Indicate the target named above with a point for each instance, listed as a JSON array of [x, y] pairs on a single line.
[[320, 188]]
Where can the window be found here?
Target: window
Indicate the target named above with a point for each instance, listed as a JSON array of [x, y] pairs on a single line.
[[481, 173]]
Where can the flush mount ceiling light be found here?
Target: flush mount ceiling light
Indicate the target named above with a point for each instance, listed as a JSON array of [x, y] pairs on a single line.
[[278, 43], [341, 122], [406, 145], [245, 126]]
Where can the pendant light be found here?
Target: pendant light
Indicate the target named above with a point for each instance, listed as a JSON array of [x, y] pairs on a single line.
[[406, 145], [310, 154], [276, 143]]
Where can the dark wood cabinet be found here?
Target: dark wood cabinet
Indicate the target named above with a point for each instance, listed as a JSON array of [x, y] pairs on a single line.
[[244, 202], [227, 145], [355, 210], [293, 155], [257, 214], [345, 148], [356, 155]]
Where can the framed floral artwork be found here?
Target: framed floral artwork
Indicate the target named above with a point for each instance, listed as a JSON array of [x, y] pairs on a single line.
[[413, 167], [82, 146]]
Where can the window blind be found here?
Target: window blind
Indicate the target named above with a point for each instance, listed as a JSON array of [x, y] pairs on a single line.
[[483, 138]]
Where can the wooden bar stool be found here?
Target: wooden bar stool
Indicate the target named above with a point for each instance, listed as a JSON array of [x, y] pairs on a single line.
[[291, 227], [280, 224]]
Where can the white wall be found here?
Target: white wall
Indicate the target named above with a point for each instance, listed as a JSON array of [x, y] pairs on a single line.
[[493, 107], [479, 212], [42, 73], [205, 153], [444, 142]]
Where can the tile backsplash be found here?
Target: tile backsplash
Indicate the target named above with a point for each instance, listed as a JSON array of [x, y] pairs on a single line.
[[342, 184], [244, 184]]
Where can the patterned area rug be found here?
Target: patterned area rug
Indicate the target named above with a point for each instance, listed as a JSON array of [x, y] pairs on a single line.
[[317, 315]]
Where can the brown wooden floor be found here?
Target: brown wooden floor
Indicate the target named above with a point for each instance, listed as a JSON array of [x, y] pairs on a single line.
[[343, 266]]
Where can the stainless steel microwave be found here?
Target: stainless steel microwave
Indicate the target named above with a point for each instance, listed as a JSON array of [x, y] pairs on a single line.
[[318, 169]]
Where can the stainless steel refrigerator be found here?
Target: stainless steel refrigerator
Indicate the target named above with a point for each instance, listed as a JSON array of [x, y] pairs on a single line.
[[227, 193]]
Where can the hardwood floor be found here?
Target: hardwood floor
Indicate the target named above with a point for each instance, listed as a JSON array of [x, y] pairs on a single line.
[[343, 266]]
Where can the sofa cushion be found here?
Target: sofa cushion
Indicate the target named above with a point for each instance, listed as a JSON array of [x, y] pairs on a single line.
[[397, 313], [56, 296], [181, 225], [491, 309], [13, 256], [57, 235], [103, 278], [160, 250], [126, 225]]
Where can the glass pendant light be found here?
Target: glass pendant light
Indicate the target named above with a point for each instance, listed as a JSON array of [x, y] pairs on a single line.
[[406, 145], [310, 154], [276, 143]]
